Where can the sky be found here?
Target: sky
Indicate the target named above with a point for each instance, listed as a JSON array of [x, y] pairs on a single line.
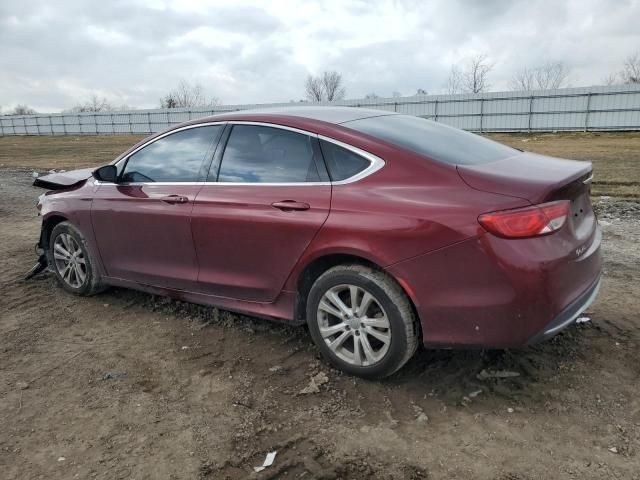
[[56, 54]]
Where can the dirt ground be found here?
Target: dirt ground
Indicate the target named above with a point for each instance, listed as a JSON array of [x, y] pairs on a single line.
[[126, 385]]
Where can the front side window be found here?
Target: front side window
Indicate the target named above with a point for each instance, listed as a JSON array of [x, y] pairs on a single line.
[[175, 158], [257, 154]]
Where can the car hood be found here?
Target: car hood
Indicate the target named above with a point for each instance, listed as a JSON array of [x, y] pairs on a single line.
[[62, 180]]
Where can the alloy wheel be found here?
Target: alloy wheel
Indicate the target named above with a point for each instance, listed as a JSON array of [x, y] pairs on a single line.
[[69, 260], [354, 325]]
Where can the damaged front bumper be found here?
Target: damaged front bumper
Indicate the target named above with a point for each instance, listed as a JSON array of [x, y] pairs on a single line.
[[42, 263]]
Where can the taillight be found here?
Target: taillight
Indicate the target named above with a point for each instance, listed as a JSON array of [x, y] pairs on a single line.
[[528, 221]]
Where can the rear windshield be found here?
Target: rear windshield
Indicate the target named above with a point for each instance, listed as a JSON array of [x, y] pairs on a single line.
[[434, 140]]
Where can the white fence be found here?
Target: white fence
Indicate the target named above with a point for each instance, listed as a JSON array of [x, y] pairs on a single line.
[[575, 109]]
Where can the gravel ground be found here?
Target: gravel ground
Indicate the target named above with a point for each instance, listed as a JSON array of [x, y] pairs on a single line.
[[128, 385]]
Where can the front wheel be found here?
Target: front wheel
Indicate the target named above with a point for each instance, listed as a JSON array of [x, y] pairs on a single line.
[[70, 260], [362, 321]]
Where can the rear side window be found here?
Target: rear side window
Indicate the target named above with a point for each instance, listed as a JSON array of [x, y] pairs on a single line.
[[434, 140], [256, 154], [175, 158], [342, 163]]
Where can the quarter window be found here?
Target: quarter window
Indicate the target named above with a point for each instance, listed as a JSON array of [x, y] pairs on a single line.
[[175, 158], [342, 163], [257, 154]]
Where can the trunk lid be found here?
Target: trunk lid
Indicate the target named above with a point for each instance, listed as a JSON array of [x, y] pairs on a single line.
[[540, 179], [534, 177], [63, 180]]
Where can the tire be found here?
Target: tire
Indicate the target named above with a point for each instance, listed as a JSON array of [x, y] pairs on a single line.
[[81, 277], [371, 343]]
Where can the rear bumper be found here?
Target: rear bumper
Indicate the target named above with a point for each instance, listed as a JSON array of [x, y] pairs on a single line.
[[491, 292], [568, 315]]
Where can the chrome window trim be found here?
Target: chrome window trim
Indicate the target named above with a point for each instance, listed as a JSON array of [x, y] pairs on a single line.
[[131, 184], [155, 139], [375, 162]]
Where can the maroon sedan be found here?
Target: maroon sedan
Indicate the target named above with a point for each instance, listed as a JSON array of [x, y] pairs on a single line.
[[377, 230]]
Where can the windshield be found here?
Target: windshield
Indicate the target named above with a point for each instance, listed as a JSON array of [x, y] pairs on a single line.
[[434, 140]]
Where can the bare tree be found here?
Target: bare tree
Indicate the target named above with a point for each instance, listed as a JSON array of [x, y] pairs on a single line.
[[94, 104], [551, 75], [22, 110], [371, 96], [474, 78], [523, 80], [187, 95], [631, 71], [313, 88], [543, 77], [611, 79], [332, 85], [421, 91], [327, 86], [454, 82]]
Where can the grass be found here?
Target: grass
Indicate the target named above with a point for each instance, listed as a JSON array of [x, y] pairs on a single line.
[[615, 155], [62, 152]]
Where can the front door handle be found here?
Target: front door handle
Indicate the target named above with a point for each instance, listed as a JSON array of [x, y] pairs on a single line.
[[289, 205], [175, 199]]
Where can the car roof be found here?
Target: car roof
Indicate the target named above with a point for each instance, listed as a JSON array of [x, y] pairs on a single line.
[[327, 114]]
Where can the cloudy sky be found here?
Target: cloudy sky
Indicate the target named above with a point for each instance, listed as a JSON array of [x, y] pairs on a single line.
[[54, 54]]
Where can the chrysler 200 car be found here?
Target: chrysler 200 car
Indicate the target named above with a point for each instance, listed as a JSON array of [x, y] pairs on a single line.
[[378, 230]]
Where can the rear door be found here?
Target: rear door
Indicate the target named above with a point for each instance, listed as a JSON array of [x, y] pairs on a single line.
[[142, 224], [266, 197]]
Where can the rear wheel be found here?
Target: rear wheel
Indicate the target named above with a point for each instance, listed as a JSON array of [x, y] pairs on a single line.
[[70, 260], [361, 321]]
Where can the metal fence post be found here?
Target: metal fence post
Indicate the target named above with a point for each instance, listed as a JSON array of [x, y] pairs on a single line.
[[481, 113], [130, 124], [149, 121], [1, 128], [113, 126], [51, 124], [79, 124], [38, 125], [435, 111], [530, 113], [586, 116], [64, 123], [24, 122]]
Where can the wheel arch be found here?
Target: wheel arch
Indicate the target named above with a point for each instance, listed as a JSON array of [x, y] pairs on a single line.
[[48, 224], [316, 267]]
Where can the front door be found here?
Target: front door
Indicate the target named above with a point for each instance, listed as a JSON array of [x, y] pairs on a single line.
[[253, 224], [142, 224]]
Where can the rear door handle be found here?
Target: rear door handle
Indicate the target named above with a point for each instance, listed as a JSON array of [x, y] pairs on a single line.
[[174, 199], [289, 205]]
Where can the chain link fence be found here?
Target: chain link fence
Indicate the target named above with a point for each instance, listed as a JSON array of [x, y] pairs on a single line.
[[571, 109]]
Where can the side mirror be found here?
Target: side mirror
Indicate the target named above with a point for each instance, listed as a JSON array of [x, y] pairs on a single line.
[[108, 173]]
